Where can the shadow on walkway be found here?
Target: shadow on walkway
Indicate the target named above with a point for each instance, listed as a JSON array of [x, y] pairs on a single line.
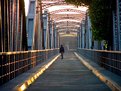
[[68, 74]]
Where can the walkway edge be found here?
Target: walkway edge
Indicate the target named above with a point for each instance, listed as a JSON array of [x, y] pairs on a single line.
[[113, 85], [23, 86]]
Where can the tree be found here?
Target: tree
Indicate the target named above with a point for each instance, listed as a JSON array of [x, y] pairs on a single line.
[[100, 12], [79, 2]]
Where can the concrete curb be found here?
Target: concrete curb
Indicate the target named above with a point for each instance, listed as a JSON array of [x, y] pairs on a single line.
[[24, 85], [113, 85]]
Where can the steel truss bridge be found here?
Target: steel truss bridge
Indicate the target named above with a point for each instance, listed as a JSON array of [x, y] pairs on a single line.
[[30, 44]]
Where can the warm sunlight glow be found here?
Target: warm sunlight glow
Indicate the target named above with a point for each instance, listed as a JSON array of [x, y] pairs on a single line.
[[67, 13], [23, 87], [66, 29], [68, 35], [65, 7], [32, 78], [67, 20]]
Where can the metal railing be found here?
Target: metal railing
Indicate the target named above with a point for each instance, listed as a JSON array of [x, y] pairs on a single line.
[[13, 64], [110, 60]]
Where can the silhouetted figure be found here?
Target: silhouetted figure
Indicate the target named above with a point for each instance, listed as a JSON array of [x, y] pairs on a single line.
[[61, 51]]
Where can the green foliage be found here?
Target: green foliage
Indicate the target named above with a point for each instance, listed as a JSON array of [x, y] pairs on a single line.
[[100, 12], [79, 2], [101, 16]]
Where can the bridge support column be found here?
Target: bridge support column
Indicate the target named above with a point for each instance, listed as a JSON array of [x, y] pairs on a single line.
[[12, 26], [54, 36], [57, 39], [46, 21], [119, 22], [37, 34], [35, 25], [78, 39], [48, 32]]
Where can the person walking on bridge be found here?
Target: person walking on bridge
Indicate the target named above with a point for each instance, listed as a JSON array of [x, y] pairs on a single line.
[[61, 51]]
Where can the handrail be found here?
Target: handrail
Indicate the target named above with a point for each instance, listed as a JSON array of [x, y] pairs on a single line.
[[17, 52], [110, 60], [13, 64], [108, 51]]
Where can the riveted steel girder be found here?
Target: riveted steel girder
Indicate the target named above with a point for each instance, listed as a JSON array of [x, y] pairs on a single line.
[[64, 18], [67, 10]]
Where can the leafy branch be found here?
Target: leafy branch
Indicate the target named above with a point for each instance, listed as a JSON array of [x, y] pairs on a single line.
[[100, 12]]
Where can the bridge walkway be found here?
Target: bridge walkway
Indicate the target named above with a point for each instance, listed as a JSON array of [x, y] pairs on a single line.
[[68, 74], [73, 73]]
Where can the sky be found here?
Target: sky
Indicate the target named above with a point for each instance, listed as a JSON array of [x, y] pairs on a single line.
[[26, 5]]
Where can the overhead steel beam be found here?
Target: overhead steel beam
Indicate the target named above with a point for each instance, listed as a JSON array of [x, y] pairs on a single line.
[[67, 28], [67, 25], [69, 22], [67, 16], [67, 10], [67, 19], [73, 30], [47, 5]]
